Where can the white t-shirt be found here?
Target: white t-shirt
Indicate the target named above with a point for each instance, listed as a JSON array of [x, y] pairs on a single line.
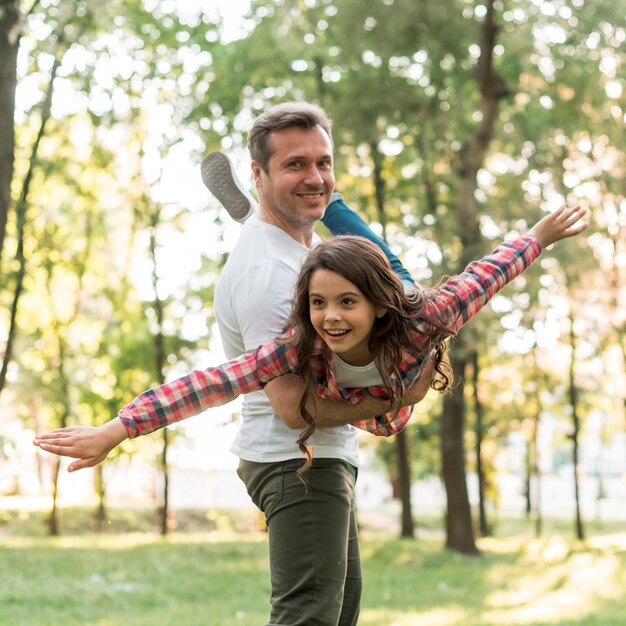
[[252, 302], [347, 375]]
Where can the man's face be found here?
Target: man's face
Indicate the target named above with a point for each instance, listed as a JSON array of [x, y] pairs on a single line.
[[299, 182]]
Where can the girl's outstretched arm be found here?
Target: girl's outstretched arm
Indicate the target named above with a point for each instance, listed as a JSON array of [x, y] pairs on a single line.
[[467, 293], [171, 402], [89, 444]]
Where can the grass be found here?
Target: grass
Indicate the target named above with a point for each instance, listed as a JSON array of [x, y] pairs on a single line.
[[220, 578]]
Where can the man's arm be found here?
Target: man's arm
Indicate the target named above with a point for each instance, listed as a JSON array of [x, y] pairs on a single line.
[[285, 392]]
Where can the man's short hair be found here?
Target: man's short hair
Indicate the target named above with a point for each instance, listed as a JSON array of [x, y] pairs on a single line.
[[285, 115]]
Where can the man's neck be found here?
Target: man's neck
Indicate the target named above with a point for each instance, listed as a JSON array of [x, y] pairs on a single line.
[[301, 232]]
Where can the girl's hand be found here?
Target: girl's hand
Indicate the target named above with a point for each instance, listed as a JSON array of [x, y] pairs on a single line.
[[559, 225], [88, 443]]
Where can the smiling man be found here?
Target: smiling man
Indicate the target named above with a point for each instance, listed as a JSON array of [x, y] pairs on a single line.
[[295, 181], [313, 543]]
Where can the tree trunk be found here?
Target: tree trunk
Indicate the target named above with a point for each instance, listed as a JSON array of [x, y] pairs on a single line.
[[54, 522], [459, 528], [428, 177], [616, 287], [573, 398], [527, 480], [10, 32], [459, 533], [379, 186], [404, 484], [22, 206], [100, 516], [55, 525], [534, 485], [403, 465], [159, 364], [483, 524], [601, 493]]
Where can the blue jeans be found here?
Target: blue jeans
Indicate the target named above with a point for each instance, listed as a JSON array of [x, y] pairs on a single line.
[[340, 219]]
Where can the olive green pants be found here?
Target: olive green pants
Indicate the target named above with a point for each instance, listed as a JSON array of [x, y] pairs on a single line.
[[315, 564]]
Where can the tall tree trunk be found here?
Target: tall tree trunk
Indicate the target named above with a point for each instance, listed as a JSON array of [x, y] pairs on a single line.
[[320, 83], [100, 516], [601, 493], [493, 89], [159, 365], [535, 465], [573, 398], [54, 523], [22, 205], [379, 186], [10, 34], [483, 524], [616, 287], [459, 534], [403, 464], [428, 177], [407, 527], [527, 480]]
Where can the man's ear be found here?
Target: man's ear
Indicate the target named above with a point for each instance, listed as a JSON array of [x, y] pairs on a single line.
[[256, 172]]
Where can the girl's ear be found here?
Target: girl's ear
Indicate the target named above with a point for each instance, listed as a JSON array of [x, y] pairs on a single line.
[[380, 312]]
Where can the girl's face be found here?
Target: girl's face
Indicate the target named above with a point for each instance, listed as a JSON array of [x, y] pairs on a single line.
[[342, 316]]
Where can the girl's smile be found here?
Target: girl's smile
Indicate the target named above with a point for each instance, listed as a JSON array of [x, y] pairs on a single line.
[[342, 316]]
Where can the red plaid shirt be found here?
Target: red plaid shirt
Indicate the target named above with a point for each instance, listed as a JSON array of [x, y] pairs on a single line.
[[461, 297]]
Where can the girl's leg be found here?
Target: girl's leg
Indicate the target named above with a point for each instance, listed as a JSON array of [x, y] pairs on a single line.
[[340, 219], [221, 180]]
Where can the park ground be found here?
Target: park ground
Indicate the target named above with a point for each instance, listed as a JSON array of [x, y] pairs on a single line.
[[212, 570]]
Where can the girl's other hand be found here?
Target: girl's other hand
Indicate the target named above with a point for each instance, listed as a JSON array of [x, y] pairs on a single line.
[[564, 222], [89, 444]]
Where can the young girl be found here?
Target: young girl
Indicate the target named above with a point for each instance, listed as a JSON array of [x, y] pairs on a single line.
[[353, 330]]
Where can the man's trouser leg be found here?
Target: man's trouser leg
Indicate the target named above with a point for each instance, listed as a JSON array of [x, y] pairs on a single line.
[[313, 543]]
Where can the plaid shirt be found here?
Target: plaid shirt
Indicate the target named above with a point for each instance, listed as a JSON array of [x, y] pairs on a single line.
[[461, 297]]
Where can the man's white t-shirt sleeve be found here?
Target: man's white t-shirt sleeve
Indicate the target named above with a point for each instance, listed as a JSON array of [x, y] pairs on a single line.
[[262, 301]]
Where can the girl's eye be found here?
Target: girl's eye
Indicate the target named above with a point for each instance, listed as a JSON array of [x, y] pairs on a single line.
[[317, 302], [348, 301]]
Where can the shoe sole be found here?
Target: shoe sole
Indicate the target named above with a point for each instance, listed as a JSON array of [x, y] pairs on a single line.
[[219, 178]]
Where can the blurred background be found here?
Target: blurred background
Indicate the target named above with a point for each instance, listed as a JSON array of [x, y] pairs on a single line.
[[456, 124]]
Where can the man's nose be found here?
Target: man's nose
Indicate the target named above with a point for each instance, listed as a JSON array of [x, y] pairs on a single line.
[[313, 176]]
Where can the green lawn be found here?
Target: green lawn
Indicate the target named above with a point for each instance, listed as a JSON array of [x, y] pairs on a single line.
[[221, 579]]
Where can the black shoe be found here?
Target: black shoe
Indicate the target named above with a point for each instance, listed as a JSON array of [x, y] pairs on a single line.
[[219, 177]]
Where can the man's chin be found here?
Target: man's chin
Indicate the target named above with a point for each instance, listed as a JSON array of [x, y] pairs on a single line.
[[318, 207], [312, 213]]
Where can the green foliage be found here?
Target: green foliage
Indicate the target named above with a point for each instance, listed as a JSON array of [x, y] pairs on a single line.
[[399, 79]]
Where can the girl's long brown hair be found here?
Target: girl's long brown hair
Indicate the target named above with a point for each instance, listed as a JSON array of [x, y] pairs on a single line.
[[364, 264]]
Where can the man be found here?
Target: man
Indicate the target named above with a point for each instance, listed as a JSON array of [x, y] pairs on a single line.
[[313, 542]]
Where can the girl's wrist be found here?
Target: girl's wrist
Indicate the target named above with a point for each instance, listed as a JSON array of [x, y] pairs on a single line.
[[115, 431]]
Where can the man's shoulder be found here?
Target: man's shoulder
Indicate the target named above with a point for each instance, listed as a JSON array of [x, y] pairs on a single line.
[[260, 245]]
